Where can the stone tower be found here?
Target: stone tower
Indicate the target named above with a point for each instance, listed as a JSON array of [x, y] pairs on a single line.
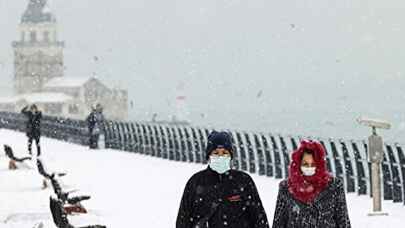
[[38, 55]]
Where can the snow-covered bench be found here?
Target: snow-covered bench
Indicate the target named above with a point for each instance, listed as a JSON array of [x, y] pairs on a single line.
[[71, 204], [47, 176], [12, 165], [59, 215]]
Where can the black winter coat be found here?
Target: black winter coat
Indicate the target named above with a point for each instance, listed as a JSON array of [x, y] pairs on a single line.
[[33, 127], [94, 122], [221, 200], [329, 210]]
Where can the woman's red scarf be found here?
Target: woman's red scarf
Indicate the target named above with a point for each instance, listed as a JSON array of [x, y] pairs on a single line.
[[307, 188]]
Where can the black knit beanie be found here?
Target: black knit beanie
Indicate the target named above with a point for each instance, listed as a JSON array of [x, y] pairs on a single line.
[[219, 140]]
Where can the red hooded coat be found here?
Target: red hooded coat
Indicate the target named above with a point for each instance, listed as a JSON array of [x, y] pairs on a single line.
[[307, 188]]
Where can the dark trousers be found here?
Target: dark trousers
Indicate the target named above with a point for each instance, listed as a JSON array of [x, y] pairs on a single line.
[[30, 140], [94, 141]]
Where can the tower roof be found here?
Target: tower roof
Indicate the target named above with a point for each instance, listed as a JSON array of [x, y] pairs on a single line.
[[37, 12]]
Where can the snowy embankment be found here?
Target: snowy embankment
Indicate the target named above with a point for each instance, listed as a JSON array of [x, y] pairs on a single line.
[[128, 190]]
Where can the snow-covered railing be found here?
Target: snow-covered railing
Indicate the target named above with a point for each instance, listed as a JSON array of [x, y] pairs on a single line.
[[262, 153], [54, 127]]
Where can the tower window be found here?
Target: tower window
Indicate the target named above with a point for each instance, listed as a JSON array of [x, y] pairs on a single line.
[[33, 36], [73, 109], [22, 36], [46, 36]]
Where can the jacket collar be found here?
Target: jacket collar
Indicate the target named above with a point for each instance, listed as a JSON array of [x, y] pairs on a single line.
[[218, 175]]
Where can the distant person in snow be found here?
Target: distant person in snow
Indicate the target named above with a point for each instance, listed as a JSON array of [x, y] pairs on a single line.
[[220, 196], [95, 125], [310, 197], [33, 128]]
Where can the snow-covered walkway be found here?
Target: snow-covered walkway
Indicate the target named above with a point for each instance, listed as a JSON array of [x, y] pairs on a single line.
[[128, 190]]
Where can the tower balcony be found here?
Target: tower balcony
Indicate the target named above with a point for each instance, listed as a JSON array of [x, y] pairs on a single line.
[[21, 44]]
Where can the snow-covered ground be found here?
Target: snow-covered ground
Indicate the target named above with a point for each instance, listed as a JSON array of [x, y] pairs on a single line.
[[128, 190]]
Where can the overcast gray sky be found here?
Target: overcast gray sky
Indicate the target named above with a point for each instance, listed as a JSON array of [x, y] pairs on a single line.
[[318, 63]]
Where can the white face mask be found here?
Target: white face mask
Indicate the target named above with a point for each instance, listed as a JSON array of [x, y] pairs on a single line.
[[220, 164], [308, 171]]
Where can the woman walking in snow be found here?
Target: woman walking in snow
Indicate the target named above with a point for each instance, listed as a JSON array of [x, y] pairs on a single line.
[[310, 197]]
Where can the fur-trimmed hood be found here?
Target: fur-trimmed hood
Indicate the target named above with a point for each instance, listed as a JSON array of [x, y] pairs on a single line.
[[306, 188]]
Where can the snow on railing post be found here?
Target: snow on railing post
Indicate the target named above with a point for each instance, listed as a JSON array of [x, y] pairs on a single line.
[[251, 153], [348, 167], [329, 157], [285, 155], [395, 174], [139, 144], [113, 133], [117, 136], [134, 137], [236, 153], [176, 144], [142, 139], [170, 143], [190, 147], [152, 136], [130, 137], [337, 159], [387, 178], [361, 163], [401, 159], [148, 135], [183, 143], [107, 134], [242, 151], [203, 143], [158, 138], [261, 158], [196, 146], [268, 159], [164, 147], [125, 137], [277, 158]]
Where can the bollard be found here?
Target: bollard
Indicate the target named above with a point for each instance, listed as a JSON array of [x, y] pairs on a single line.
[[376, 156]]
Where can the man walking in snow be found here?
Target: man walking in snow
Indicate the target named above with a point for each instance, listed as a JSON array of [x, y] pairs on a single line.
[[219, 196], [33, 128], [94, 122]]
